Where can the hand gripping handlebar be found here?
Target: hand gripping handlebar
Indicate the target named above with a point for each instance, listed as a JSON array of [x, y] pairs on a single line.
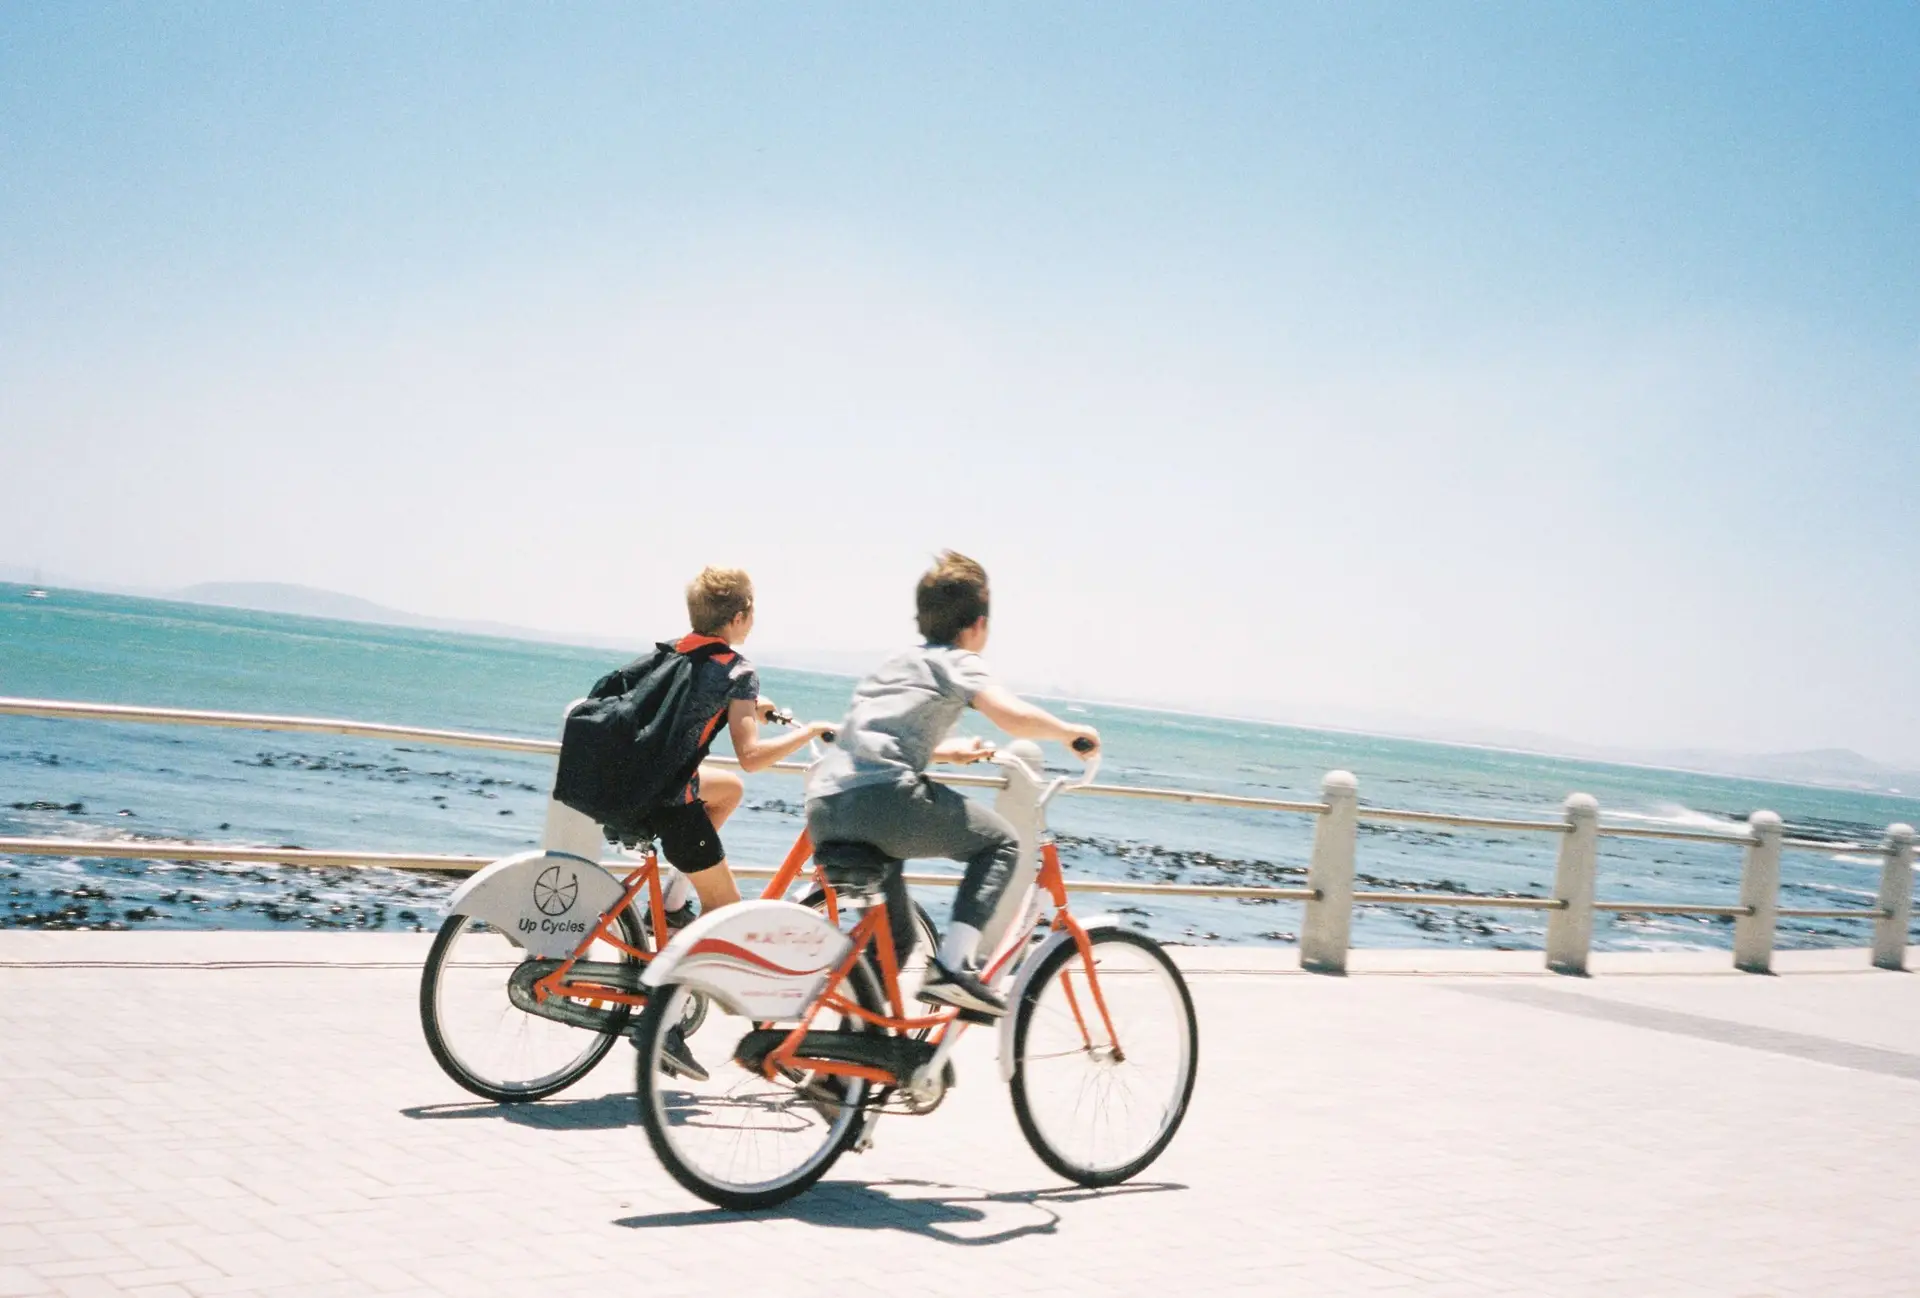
[[782, 717]]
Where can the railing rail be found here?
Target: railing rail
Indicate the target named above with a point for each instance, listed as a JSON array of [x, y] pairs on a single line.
[[438, 863], [1329, 897]]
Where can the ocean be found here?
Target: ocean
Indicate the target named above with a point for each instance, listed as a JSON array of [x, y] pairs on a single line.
[[87, 779]]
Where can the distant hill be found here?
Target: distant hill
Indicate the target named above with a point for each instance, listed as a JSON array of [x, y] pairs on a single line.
[[1834, 767], [284, 597], [310, 601], [1829, 767]]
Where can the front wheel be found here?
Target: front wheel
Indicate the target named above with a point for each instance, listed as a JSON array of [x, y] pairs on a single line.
[[1098, 1103]]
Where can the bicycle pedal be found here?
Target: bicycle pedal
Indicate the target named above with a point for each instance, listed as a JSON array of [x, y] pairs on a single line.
[[981, 1017]]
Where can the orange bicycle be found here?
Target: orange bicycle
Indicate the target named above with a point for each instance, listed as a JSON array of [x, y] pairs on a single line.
[[536, 970], [810, 1041]]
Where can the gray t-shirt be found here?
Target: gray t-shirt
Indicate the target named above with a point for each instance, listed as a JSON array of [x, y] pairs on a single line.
[[899, 713]]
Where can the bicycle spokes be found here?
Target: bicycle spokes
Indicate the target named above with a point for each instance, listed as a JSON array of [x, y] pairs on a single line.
[[1092, 1109]]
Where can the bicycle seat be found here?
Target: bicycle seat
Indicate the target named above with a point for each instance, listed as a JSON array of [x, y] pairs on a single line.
[[854, 865]]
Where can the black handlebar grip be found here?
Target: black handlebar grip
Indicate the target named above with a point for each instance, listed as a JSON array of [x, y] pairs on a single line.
[[829, 735], [1084, 745]]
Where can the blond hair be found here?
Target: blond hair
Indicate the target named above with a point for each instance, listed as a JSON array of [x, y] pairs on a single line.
[[951, 596], [716, 597]]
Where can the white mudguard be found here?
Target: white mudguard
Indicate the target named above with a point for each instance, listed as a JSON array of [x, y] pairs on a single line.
[[759, 959], [1024, 978], [545, 901]]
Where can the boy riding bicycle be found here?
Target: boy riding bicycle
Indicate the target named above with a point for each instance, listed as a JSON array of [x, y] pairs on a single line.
[[872, 787], [725, 689]]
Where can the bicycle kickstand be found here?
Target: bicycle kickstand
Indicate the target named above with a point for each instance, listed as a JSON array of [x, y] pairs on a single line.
[[865, 1142]]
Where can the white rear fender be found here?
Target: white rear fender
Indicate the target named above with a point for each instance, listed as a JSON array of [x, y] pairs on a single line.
[[546, 901], [1023, 979], [759, 959]]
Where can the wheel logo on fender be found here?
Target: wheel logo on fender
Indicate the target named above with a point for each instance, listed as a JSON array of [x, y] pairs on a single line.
[[553, 896]]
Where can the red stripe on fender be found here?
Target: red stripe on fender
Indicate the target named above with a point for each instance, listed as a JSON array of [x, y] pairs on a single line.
[[714, 946]]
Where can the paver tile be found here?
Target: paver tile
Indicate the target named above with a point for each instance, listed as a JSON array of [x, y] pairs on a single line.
[[1375, 1134]]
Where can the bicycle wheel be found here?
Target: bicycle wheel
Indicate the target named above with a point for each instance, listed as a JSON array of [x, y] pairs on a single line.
[[485, 1042], [926, 940], [737, 1139], [1098, 1110]]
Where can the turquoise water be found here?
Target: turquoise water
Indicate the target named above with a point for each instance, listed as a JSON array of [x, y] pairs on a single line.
[[88, 779]]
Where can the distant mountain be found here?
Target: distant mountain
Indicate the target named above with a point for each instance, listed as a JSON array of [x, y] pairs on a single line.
[[1829, 767], [284, 597], [1834, 767], [310, 601]]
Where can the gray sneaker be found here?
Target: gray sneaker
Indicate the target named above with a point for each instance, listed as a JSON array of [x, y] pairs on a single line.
[[960, 988], [676, 1060]]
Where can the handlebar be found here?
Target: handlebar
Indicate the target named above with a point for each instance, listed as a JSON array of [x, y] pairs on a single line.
[[1060, 784], [782, 717]]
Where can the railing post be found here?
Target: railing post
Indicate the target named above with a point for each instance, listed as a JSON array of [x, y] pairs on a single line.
[[1329, 920], [1760, 893], [1570, 929], [1896, 899]]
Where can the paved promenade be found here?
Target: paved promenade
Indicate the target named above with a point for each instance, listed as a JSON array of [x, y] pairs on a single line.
[[233, 1113]]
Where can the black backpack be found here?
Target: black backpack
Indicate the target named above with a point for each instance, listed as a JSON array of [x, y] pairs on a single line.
[[630, 745]]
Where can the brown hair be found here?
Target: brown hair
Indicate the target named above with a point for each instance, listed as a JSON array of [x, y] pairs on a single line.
[[716, 597], [951, 596]]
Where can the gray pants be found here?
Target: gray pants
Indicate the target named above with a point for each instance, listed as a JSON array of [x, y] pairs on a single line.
[[923, 819]]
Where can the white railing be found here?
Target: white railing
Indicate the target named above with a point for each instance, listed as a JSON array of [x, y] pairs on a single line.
[[1329, 896]]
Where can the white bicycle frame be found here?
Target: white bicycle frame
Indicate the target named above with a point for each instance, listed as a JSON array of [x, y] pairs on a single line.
[[1012, 930]]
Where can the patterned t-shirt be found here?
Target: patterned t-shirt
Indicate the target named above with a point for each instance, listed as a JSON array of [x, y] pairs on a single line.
[[718, 679]]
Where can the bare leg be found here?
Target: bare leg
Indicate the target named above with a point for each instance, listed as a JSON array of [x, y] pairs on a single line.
[[715, 887], [722, 790]]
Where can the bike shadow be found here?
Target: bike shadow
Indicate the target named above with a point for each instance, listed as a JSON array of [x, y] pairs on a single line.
[[951, 1214], [601, 1113]]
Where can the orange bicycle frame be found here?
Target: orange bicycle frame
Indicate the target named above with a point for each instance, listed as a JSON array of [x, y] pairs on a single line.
[[646, 877], [874, 930]]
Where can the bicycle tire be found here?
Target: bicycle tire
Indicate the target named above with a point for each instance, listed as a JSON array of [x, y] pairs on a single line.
[[926, 932], [1023, 1107], [506, 1090], [648, 1077]]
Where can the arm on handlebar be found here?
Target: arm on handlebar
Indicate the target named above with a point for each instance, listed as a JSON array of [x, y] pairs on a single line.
[[756, 753], [1024, 720]]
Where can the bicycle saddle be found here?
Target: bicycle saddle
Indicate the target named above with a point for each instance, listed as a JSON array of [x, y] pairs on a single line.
[[854, 865]]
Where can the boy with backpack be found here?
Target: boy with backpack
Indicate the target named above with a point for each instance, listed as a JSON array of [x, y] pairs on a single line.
[[633, 756], [872, 786]]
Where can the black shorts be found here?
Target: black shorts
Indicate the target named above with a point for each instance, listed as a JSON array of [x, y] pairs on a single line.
[[687, 836]]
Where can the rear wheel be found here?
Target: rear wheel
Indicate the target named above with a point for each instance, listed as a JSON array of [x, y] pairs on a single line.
[[738, 1139], [926, 940], [1099, 1106], [486, 1043]]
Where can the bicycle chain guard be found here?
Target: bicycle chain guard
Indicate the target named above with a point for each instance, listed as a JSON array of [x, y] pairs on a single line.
[[568, 1008]]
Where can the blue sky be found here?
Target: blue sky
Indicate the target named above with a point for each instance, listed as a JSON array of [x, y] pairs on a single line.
[[1532, 367]]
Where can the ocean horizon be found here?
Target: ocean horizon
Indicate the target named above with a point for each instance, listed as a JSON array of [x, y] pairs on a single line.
[[86, 779]]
